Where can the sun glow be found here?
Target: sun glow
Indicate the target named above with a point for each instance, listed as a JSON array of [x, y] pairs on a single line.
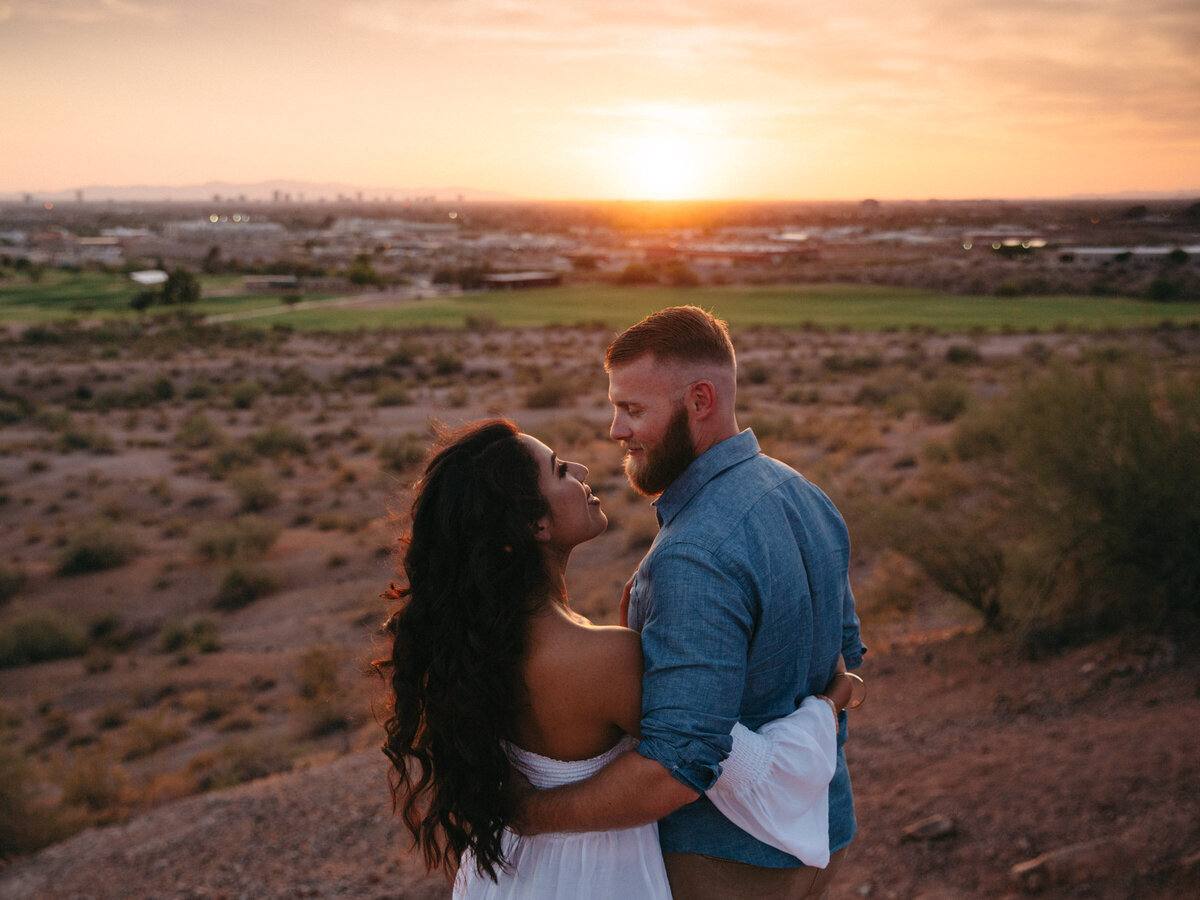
[[661, 167]]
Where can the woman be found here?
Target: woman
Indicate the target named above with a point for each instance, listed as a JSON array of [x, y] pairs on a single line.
[[493, 674]]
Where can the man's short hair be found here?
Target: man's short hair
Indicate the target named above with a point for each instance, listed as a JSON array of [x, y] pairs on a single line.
[[677, 333]]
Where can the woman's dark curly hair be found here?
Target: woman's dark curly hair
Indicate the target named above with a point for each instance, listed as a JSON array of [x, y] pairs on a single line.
[[474, 576]]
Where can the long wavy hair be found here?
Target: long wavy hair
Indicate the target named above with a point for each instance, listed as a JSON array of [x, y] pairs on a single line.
[[474, 575]]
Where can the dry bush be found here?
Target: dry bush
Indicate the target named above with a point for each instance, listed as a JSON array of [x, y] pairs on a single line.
[[944, 399], [247, 536], [39, 635], [146, 735], [548, 395], [241, 584], [322, 702], [97, 785], [397, 454], [237, 762], [28, 821], [1107, 466], [12, 580], [89, 437], [389, 392], [278, 440], [256, 489], [892, 587]]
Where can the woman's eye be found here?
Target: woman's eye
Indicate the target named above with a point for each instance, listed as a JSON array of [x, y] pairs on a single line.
[[562, 469]]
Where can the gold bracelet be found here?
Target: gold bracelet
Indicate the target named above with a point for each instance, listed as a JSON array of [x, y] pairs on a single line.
[[854, 704], [832, 706]]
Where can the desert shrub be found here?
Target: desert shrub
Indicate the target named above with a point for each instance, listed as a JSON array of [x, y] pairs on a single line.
[[37, 636], [200, 389], [254, 488], [198, 430], [962, 354], [176, 637], [111, 633], [12, 580], [977, 436], [392, 393], [755, 373], [95, 784], [403, 355], [238, 762], [246, 536], [323, 703], [243, 393], [1109, 462], [446, 363], [92, 438], [960, 551], [278, 440], [294, 381], [547, 395], [27, 823], [230, 456], [242, 584], [944, 400], [148, 734], [94, 547], [856, 363], [396, 454]]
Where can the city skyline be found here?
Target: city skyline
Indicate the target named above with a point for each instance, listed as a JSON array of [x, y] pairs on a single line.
[[762, 100]]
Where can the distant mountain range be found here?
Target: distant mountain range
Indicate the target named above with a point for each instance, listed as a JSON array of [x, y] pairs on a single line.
[[277, 190], [282, 190]]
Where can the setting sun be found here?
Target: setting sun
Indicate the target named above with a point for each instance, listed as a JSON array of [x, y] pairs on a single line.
[[661, 167]]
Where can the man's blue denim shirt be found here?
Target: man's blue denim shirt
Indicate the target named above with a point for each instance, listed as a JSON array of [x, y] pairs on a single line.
[[744, 604]]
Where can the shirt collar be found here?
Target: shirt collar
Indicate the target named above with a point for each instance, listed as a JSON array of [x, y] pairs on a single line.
[[703, 469]]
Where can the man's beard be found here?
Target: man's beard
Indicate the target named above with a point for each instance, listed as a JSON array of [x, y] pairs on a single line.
[[661, 465]]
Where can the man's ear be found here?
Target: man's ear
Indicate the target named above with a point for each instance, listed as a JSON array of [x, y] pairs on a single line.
[[541, 529], [701, 399]]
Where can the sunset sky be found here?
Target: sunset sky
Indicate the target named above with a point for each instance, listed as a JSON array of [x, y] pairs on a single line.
[[796, 99]]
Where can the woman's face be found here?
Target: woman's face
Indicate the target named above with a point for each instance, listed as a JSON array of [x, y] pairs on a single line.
[[575, 515]]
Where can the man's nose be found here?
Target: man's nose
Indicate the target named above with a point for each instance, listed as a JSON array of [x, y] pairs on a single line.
[[619, 430]]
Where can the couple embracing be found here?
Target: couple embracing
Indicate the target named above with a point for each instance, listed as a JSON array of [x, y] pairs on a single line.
[[696, 753]]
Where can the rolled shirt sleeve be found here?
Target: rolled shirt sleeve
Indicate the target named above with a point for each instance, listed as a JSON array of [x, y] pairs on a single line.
[[695, 639], [853, 648]]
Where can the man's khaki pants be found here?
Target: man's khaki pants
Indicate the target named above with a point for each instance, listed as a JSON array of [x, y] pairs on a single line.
[[697, 877]]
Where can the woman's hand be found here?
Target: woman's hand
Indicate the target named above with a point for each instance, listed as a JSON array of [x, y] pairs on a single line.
[[839, 689], [623, 609]]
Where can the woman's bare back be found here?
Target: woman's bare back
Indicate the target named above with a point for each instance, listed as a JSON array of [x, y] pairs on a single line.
[[583, 686]]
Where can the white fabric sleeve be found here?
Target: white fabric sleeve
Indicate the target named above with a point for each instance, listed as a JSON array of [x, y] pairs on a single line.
[[775, 783]]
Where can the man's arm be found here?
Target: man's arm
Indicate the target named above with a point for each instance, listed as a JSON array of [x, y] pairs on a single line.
[[630, 791]]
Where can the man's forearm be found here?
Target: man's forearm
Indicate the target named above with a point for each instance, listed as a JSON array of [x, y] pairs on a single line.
[[630, 791]]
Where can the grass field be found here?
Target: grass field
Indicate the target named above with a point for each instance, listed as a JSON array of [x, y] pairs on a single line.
[[827, 306], [89, 295], [72, 295]]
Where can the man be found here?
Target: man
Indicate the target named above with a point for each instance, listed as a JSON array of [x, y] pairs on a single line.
[[744, 607]]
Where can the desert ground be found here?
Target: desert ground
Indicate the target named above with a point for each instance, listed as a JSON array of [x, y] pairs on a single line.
[[196, 524]]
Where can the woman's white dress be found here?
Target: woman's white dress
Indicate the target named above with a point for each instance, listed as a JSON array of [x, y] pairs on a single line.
[[774, 785], [590, 865]]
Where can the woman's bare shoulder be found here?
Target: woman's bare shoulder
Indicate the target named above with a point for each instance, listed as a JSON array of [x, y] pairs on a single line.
[[589, 648]]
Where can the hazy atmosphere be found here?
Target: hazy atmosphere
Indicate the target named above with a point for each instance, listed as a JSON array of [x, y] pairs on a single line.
[[588, 99]]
